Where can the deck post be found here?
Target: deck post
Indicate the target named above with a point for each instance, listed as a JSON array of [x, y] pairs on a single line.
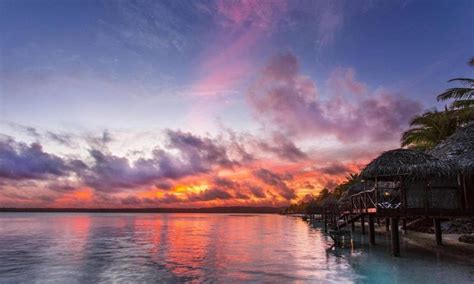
[[395, 237], [353, 227], [371, 230], [325, 218], [439, 238], [387, 224], [362, 224], [404, 225]]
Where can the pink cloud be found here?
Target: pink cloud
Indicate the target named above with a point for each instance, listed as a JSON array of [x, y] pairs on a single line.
[[257, 13], [284, 98], [240, 25], [223, 70], [342, 81]]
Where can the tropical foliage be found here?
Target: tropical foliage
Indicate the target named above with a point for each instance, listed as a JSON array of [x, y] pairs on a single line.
[[351, 180], [464, 93], [430, 128], [325, 198]]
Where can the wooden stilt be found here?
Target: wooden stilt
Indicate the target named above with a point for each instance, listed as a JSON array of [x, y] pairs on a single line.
[[439, 238], [371, 230], [387, 224], [404, 224], [353, 227], [325, 218], [378, 222], [362, 224], [395, 237]]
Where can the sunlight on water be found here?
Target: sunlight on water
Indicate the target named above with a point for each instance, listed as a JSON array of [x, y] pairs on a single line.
[[87, 248]]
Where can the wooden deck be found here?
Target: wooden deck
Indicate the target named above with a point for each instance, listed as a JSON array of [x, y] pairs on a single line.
[[392, 207]]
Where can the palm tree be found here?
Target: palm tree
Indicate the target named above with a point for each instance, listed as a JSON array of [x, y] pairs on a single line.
[[429, 129], [432, 127], [461, 95], [463, 104], [351, 179]]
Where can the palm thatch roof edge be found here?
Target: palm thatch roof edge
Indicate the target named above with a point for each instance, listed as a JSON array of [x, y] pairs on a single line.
[[458, 149], [413, 164]]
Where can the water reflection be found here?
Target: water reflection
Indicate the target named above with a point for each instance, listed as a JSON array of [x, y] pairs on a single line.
[[91, 248]]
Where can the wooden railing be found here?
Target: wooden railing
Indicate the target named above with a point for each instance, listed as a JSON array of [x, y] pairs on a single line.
[[369, 201], [364, 201]]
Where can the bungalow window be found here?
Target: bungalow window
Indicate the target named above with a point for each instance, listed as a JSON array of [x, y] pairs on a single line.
[[388, 194]]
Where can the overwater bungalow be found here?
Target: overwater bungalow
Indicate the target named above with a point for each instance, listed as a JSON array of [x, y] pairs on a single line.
[[408, 183], [458, 149]]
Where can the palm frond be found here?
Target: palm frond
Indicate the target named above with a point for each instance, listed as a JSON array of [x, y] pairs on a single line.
[[456, 93], [461, 104], [465, 81], [430, 128]]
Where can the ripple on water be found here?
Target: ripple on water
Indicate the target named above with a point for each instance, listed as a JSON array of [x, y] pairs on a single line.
[[88, 248]]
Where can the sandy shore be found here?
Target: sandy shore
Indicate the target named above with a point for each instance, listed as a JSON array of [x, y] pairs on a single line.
[[451, 246]]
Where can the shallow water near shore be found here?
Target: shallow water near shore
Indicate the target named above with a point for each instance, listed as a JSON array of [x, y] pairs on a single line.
[[94, 247]]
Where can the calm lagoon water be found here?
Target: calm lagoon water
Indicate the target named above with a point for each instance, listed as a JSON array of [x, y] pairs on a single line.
[[90, 248]]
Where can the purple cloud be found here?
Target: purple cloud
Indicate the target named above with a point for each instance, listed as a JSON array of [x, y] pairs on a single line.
[[194, 155], [210, 194], [334, 169], [22, 161], [289, 100], [277, 181], [282, 147]]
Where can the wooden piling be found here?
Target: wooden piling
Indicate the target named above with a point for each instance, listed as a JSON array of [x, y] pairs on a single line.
[[353, 226], [362, 224], [371, 230], [395, 237], [387, 224], [404, 225], [437, 225], [325, 218]]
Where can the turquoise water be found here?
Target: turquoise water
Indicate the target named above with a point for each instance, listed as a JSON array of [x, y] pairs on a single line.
[[90, 248]]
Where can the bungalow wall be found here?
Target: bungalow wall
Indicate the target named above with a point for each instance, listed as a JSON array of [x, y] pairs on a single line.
[[467, 183], [423, 196]]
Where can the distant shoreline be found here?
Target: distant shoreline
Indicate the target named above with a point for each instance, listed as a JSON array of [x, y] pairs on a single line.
[[238, 209]]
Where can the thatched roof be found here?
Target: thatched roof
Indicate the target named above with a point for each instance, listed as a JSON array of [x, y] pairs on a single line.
[[412, 164], [458, 149]]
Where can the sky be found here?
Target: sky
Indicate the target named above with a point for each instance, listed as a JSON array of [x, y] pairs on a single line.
[[212, 103]]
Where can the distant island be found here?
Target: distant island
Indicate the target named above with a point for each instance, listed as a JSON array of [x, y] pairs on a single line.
[[230, 209]]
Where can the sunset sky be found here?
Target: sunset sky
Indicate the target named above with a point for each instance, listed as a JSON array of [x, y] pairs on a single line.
[[212, 103]]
